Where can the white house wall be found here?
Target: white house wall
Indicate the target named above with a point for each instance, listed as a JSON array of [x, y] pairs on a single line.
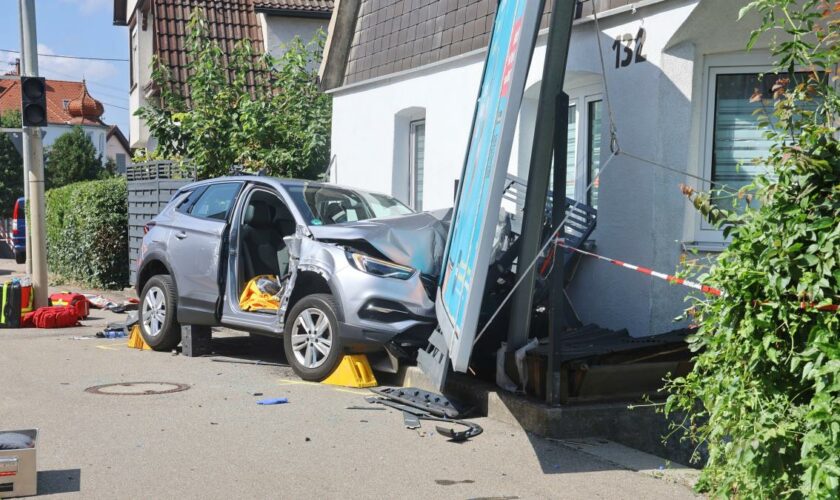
[[97, 136], [658, 106], [138, 131]]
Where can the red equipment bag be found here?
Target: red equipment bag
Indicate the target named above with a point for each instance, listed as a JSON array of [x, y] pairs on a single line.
[[75, 300], [52, 317]]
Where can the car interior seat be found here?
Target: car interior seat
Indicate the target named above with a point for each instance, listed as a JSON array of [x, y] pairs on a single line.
[[262, 240]]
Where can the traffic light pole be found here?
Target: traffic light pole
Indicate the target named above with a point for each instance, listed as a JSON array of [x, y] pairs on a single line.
[[33, 161], [26, 215]]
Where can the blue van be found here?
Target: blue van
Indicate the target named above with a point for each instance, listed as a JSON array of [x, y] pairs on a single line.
[[19, 230]]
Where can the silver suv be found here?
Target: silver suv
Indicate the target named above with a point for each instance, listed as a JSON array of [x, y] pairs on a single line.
[[358, 269]]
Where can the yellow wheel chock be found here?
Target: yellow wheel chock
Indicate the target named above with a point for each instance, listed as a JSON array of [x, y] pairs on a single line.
[[353, 371], [135, 340]]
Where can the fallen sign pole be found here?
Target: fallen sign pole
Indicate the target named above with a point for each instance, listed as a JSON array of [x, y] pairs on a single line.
[[679, 281]]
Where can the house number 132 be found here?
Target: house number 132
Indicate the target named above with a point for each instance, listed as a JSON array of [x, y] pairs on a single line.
[[629, 49]]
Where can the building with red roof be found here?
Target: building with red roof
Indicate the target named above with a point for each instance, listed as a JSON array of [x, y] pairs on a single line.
[[70, 104]]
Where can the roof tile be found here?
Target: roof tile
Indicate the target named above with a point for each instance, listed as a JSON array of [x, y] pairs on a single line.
[[428, 31], [228, 22], [58, 92], [321, 6]]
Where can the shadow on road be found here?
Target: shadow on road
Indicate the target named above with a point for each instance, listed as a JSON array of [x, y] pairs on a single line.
[[59, 481], [253, 349]]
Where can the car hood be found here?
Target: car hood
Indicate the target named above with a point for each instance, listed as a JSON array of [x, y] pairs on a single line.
[[416, 240]]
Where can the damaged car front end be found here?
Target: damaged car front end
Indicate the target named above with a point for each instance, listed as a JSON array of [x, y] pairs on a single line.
[[382, 272]]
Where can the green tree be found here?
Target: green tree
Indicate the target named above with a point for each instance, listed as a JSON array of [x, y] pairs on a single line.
[[11, 166], [254, 111], [764, 393], [72, 158]]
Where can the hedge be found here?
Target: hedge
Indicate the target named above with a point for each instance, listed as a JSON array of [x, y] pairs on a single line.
[[87, 233]]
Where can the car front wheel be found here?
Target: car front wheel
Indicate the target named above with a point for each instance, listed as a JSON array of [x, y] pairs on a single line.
[[158, 324], [311, 341]]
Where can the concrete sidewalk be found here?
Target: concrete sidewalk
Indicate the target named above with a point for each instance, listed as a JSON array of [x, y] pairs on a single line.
[[214, 441]]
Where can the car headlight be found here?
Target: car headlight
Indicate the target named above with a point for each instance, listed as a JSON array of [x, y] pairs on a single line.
[[379, 267]]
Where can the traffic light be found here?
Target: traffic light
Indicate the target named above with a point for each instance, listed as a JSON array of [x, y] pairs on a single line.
[[33, 107]]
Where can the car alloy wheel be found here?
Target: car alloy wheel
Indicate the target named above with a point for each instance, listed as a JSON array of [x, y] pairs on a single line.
[[154, 311], [312, 338]]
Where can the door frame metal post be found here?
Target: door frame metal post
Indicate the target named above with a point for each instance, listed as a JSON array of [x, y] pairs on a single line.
[[557, 301], [554, 73]]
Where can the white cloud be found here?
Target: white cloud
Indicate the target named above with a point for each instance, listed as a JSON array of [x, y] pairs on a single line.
[[73, 69], [90, 6]]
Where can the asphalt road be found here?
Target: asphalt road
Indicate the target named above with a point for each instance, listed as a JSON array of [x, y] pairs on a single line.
[[213, 441]]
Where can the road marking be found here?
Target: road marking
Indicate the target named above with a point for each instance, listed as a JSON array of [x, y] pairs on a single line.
[[108, 347], [284, 381]]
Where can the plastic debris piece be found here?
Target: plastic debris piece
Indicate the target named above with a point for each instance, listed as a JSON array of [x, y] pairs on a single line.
[[273, 401], [502, 379]]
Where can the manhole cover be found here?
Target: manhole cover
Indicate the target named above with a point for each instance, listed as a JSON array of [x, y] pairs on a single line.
[[137, 388]]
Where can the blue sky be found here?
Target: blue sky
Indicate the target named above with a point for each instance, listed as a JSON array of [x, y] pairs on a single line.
[[77, 28]]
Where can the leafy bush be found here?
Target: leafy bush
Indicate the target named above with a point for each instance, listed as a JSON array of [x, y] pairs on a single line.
[[248, 110], [764, 394], [87, 232]]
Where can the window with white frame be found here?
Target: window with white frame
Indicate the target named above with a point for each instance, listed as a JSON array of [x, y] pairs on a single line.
[[583, 149], [739, 98], [593, 150], [738, 136], [571, 152], [134, 53], [417, 152]]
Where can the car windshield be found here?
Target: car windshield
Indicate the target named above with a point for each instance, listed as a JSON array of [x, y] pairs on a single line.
[[324, 205]]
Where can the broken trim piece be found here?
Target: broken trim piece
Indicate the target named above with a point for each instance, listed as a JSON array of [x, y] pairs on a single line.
[[425, 401]]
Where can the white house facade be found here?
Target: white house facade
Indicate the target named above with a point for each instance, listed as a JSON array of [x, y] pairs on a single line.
[[677, 78]]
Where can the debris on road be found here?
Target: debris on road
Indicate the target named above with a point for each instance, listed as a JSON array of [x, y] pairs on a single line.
[[100, 302], [434, 404], [112, 332], [273, 401], [417, 405], [411, 421]]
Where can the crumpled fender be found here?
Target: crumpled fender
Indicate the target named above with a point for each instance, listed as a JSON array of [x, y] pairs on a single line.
[[416, 240]]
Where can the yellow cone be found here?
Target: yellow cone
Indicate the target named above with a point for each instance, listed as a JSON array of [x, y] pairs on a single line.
[[353, 371]]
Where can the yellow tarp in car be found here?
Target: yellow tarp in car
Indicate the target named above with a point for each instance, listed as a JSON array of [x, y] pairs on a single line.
[[256, 296]]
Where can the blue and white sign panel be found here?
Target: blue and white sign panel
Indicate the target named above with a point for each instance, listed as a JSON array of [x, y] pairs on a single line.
[[470, 244]]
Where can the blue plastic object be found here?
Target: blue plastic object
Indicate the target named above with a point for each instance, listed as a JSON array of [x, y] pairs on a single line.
[[273, 401]]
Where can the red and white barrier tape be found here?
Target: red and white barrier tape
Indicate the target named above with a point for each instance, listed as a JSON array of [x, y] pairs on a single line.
[[673, 279]]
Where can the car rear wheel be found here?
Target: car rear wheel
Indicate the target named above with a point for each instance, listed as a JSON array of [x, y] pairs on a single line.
[[20, 257], [311, 342], [158, 324]]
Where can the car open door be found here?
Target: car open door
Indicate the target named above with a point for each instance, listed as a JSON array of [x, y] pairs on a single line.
[[197, 247]]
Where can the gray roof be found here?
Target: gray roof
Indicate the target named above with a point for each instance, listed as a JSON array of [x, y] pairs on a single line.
[[398, 35]]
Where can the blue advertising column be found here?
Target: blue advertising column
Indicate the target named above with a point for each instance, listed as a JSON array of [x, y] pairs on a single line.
[[470, 244]]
